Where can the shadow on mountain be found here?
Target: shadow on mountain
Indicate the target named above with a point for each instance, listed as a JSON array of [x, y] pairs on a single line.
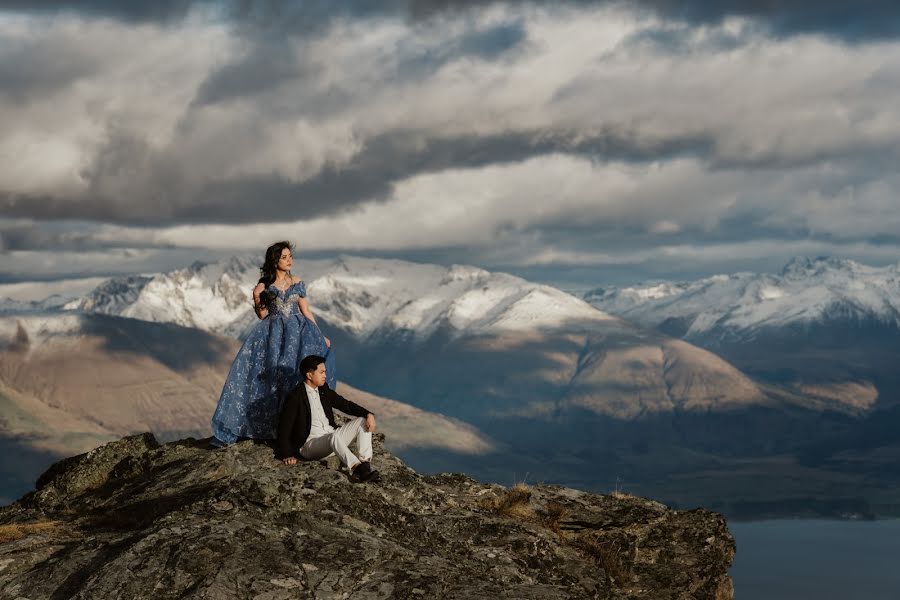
[[880, 429], [563, 419], [20, 467], [865, 350], [178, 348]]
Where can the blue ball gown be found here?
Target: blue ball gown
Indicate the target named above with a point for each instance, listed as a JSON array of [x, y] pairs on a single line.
[[266, 368]]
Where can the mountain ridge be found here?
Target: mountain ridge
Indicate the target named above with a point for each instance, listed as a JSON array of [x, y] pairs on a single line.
[[414, 297], [390, 303], [736, 306], [826, 328]]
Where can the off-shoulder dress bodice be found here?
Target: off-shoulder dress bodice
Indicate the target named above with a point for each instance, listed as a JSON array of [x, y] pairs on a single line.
[[285, 302]]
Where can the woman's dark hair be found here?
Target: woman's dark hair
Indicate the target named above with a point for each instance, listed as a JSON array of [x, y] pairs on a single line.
[[273, 253]]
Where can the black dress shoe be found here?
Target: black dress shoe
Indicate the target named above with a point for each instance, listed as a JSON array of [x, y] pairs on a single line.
[[364, 472]]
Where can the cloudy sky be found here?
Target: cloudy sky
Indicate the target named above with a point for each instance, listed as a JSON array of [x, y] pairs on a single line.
[[578, 144]]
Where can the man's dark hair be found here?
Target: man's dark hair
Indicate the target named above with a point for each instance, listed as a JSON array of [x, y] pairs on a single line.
[[310, 364]]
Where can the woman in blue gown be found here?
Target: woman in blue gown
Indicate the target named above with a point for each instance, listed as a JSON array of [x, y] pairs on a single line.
[[265, 368]]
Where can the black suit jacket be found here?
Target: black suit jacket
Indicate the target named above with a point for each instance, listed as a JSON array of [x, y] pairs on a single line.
[[294, 422]]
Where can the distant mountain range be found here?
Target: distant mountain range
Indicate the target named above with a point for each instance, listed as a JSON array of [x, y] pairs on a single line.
[[825, 327], [569, 392], [433, 318], [367, 298], [738, 307]]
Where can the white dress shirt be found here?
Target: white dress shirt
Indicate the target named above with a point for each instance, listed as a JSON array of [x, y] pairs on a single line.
[[319, 424]]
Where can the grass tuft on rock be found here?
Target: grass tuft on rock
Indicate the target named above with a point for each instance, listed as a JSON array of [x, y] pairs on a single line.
[[17, 531], [514, 503], [608, 553], [552, 516]]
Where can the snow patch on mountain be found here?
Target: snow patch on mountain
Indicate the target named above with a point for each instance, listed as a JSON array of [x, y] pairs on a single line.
[[112, 296], [808, 290], [214, 297], [372, 297], [363, 296]]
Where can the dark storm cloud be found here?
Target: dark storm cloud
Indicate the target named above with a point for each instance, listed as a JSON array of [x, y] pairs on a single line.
[[273, 61], [680, 39], [76, 236], [845, 19], [849, 20], [284, 15], [370, 176], [35, 67], [35, 237], [265, 66], [399, 155], [131, 11], [22, 237], [487, 44]]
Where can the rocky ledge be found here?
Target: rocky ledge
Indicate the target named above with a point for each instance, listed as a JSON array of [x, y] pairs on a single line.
[[135, 519]]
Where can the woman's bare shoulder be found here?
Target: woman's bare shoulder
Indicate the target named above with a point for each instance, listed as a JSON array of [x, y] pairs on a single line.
[[295, 280], [259, 288]]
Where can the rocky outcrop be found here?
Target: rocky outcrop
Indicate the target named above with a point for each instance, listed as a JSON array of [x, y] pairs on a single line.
[[135, 519]]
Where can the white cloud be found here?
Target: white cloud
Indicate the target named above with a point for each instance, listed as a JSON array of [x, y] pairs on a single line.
[[485, 206], [135, 81]]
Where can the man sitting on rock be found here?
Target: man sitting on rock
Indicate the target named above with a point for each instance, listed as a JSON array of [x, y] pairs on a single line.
[[307, 424]]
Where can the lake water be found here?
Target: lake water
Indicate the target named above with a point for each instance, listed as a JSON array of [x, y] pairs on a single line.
[[816, 560]]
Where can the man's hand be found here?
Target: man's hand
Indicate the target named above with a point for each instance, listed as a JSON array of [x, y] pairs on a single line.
[[327, 342], [290, 460], [370, 423]]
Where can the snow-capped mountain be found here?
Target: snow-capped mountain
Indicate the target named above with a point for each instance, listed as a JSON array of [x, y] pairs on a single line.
[[808, 291], [430, 315], [377, 297], [823, 327], [364, 297], [213, 297]]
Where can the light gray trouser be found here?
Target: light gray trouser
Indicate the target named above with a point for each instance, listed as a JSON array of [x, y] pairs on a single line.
[[338, 442]]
